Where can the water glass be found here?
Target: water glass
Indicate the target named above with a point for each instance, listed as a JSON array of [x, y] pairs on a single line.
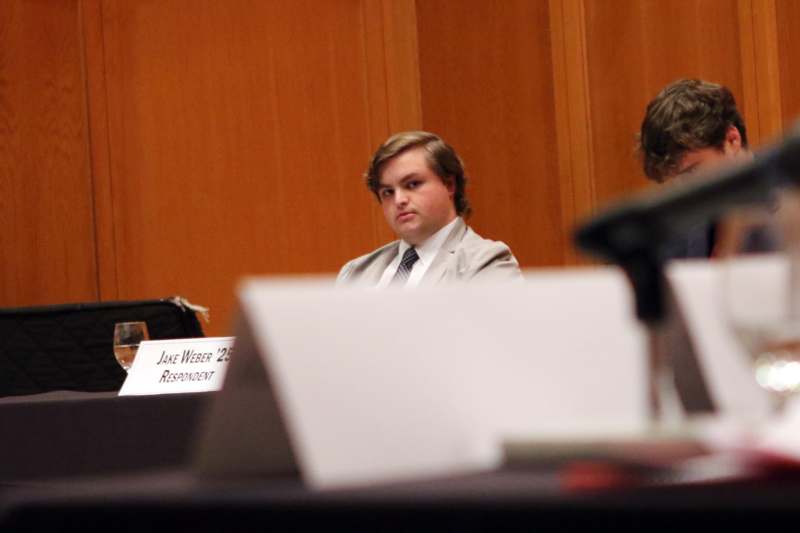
[[127, 336]]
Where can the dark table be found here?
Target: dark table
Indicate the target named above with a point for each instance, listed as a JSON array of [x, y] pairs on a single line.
[[101, 463], [498, 501], [65, 434]]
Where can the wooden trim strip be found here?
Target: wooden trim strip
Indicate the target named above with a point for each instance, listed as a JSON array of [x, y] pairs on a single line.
[[573, 117], [91, 27], [402, 65], [760, 70]]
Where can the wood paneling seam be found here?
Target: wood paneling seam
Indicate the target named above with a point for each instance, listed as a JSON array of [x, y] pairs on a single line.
[[88, 147], [97, 64]]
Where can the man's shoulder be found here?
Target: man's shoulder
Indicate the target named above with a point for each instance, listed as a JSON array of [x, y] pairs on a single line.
[[473, 242], [478, 255]]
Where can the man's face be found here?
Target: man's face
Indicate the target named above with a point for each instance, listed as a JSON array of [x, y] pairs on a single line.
[[416, 202], [698, 162], [703, 160]]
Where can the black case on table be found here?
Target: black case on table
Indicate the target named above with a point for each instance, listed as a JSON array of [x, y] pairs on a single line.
[[70, 346]]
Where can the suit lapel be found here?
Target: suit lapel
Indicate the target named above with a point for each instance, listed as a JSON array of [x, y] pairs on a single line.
[[439, 269], [373, 270]]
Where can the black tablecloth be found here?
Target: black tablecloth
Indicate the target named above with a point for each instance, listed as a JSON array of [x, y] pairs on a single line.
[[67, 434], [77, 462], [498, 501]]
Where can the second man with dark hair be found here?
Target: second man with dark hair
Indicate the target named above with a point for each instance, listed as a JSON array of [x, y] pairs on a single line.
[[420, 183], [690, 128]]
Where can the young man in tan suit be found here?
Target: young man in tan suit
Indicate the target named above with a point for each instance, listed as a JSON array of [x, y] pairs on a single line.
[[420, 183]]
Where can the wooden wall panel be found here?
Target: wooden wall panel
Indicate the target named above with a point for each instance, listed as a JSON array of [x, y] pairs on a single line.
[[47, 252], [635, 48], [238, 133], [787, 16], [200, 141], [487, 87]]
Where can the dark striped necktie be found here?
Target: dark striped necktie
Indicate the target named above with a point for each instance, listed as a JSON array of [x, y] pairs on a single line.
[[406, 264]]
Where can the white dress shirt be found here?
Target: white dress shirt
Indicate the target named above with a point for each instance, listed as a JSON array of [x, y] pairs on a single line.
[[426, 251]]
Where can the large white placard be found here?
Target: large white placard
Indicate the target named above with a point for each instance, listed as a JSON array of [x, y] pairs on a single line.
[[360, 386], [178, 365]]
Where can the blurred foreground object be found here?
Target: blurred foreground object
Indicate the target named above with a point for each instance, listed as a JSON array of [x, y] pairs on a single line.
[[761, 290], [637, 234]]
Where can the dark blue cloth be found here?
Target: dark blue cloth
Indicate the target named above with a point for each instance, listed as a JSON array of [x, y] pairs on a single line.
[[700, 240]]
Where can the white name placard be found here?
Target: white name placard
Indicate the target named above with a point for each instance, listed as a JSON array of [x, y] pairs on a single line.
[[178, 365]]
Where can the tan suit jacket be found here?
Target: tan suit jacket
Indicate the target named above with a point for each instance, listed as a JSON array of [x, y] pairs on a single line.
[[464, 256]]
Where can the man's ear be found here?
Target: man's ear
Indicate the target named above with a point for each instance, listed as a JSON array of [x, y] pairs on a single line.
[[733, 141], [450, 183]]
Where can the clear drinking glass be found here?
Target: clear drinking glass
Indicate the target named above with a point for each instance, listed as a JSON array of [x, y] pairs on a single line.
[[761, 290], [127, 336]]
